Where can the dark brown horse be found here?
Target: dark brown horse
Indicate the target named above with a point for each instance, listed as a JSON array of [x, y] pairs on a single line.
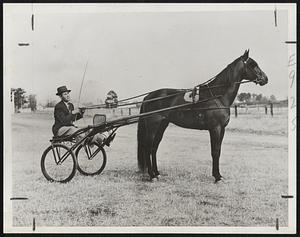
[[202, 116]]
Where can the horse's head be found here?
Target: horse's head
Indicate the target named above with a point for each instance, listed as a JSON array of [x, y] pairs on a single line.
[[252, 72]]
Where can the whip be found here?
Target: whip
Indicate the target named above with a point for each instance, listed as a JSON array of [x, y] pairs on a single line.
[[81, 85]]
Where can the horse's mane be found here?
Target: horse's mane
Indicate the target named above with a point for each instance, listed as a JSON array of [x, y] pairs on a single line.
[[224, 75], [222, 78]]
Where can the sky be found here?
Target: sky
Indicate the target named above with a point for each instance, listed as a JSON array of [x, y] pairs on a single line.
[[133, 51]]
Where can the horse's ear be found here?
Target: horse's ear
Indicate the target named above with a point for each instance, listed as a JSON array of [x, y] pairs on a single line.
[[246, 55]]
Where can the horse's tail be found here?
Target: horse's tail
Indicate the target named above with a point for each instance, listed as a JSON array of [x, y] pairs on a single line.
[[141, 143]]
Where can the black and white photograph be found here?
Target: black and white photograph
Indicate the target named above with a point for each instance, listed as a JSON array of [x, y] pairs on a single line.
[[149, 118]]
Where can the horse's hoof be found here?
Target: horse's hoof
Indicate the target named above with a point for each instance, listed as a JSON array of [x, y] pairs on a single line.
[[155, 179], [219, 179]]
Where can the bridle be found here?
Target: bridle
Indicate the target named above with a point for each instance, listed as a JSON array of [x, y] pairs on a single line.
[[255, 72]]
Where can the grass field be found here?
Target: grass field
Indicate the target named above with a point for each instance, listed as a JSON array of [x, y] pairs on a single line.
[[254, 162]]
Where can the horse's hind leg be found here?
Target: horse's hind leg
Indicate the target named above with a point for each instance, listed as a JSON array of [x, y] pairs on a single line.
[[157, 139], [148, 151], [146, 135], [148, 164]]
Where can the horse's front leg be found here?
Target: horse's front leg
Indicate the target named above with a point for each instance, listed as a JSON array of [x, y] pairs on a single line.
[[216, 138]]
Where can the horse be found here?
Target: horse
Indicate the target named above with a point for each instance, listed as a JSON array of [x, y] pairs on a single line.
[[212, 115]]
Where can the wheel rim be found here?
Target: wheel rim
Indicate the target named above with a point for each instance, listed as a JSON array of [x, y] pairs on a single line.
[[91, 160], [55, 170]]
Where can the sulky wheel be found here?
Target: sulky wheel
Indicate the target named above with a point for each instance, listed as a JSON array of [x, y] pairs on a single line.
[[91, 160], [58, 163]]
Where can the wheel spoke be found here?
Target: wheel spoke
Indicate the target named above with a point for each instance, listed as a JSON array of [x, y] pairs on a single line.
[[94, 154], [87, 151], [64, 157], [55, 156]]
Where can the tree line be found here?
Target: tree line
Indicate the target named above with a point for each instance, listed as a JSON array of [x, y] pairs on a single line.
[[253, 98], [21, 100]]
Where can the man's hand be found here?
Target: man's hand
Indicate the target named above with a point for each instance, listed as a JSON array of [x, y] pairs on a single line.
[[79, 110]]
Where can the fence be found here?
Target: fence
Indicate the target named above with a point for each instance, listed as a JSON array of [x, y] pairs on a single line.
[[270, 109], [114, 112], [241, 109], [266, 109]]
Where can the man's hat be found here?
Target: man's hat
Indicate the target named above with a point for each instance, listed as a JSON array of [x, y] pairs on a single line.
[[61, 90]]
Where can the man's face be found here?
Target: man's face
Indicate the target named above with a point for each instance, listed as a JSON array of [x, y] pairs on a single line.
[[65, 96]]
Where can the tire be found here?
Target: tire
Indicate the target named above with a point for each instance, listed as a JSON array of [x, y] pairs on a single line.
[[92, 166], [50, 169]]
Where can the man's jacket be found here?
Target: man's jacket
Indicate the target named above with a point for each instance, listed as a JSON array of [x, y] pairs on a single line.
[[63, 116]]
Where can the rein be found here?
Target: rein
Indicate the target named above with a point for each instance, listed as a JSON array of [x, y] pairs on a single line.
[[200, 87], [162, 97]]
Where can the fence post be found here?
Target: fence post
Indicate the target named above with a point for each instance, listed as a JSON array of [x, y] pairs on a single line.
[[121, 112], [235, 110], [271, 109], [266, 109], [129, 111]]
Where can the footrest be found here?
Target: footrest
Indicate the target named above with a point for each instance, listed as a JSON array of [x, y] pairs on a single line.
[[62, 139]]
